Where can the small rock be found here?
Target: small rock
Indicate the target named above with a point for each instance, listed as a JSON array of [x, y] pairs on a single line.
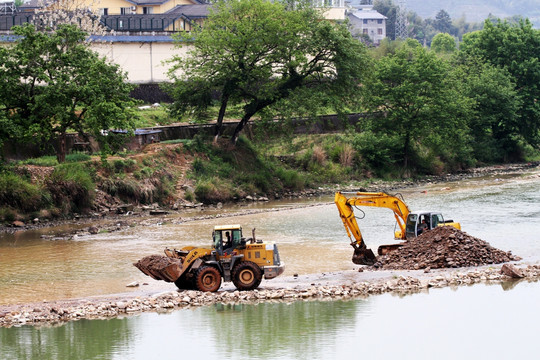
[[133, 284], [93, 230], [17, 223], [512, 271]]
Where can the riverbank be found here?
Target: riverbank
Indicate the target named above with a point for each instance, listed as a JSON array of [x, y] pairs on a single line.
[[343, 285], [121, 218]]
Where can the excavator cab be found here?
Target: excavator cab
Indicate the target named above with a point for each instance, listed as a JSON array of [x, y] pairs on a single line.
[[419, 221]]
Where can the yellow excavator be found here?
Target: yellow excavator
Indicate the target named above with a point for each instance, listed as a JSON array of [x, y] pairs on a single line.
[[410, 224]]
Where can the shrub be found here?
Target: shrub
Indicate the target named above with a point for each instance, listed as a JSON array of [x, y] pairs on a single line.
[[19, 193], [71, 187], [291, 179]]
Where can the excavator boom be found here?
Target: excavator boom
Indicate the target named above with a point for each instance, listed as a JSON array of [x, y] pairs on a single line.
[[362, 255]]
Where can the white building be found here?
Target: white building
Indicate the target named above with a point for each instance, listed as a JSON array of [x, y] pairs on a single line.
[[364, 20]]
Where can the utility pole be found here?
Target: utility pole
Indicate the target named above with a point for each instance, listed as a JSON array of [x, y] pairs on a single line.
[[401, 21]]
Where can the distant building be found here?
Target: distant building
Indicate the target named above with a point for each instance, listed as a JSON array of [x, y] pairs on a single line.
[[366, 21]]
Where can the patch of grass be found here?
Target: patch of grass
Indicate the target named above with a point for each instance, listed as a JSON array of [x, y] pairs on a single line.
[[77, 157], [48, 160], [71, 187], [19, 193]]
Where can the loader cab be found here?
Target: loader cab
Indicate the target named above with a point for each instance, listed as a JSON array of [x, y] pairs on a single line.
[[227, 238], [419, 221]]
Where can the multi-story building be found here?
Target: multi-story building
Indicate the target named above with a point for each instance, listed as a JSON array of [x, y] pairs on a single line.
[[366, 21]]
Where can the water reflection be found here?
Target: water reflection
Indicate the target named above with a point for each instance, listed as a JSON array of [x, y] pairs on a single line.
[[85, 339], [471, 322]]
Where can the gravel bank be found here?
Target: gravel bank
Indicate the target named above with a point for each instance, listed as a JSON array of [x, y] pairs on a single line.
[[334, 286]]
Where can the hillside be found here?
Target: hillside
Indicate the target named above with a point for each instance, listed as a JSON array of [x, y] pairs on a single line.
[[478, 10]]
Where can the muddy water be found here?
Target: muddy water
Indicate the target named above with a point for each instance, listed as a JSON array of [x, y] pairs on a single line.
[[42, 265]]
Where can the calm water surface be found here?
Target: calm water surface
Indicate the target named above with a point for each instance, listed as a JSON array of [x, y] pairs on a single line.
[[477, 322]]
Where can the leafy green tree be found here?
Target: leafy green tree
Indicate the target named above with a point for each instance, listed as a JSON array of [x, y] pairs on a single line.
[[421, 106], [515, 49], [257, 53], [51, 83], [443, 43]]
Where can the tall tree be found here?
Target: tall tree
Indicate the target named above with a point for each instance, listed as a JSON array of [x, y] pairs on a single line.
[[443, 22], [420, 103], [52, 83], [516, 49], [257, 53]]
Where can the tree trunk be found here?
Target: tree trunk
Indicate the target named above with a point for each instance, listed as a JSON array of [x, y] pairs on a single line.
[[61, 153], [219, 123]]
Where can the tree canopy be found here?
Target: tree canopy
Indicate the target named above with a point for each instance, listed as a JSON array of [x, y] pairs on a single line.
[[514, 48], [420, 105], [257, 53], [51, 83]]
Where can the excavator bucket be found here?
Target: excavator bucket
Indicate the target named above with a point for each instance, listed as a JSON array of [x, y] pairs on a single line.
[[363, 256], [160, 267]]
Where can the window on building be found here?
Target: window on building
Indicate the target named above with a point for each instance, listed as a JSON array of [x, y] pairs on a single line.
[[379, 21], [379, 31], [365, 21], [147, 10], [365, 31], [126, 11], [104, 11]]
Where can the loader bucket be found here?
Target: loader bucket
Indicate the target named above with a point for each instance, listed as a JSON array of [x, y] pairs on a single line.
[[160, 267], [363, 256]]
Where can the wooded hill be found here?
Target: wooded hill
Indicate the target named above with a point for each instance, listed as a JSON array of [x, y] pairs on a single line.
[[478, 10]]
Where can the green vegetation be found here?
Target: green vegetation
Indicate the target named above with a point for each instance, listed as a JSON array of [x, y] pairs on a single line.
[[261, 55], [427, 111], [78, 91]]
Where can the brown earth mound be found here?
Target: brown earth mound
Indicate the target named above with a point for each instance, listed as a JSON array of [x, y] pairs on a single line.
[[443, 247]]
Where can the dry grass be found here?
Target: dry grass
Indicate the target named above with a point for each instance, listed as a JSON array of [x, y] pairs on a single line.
[[346, 157], [319, 155]]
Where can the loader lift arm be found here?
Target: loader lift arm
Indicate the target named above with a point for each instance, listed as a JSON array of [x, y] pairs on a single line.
[[362, 255]]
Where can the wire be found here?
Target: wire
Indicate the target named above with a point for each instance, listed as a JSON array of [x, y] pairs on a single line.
[[362, 211]]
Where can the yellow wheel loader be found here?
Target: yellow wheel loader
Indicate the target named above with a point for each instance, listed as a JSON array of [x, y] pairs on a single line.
[[411, 224], [231, 258]]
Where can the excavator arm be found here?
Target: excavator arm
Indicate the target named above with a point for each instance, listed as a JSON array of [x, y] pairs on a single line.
[[362, 255]]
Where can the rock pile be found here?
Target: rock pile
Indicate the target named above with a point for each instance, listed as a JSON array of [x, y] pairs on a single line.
[[443, 247]]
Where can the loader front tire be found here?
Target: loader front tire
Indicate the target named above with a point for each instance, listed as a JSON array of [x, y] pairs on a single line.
[[184, 284], [207, 278], [246, 276]]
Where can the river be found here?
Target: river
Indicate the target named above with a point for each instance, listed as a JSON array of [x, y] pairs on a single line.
[[503, 210]]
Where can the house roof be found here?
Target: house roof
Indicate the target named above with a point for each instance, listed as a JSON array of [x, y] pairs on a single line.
[[191, 11], [368, 15], [36, 4]]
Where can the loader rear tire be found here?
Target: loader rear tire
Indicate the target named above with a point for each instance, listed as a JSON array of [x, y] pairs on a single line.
[[246, 276], [207, 278]]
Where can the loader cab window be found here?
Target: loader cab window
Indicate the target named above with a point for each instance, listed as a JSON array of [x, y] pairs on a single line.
[[218, 243], [236, 238]]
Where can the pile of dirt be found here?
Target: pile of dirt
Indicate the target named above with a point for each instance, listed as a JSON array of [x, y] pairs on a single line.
[[160, 267], [443, 247]]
